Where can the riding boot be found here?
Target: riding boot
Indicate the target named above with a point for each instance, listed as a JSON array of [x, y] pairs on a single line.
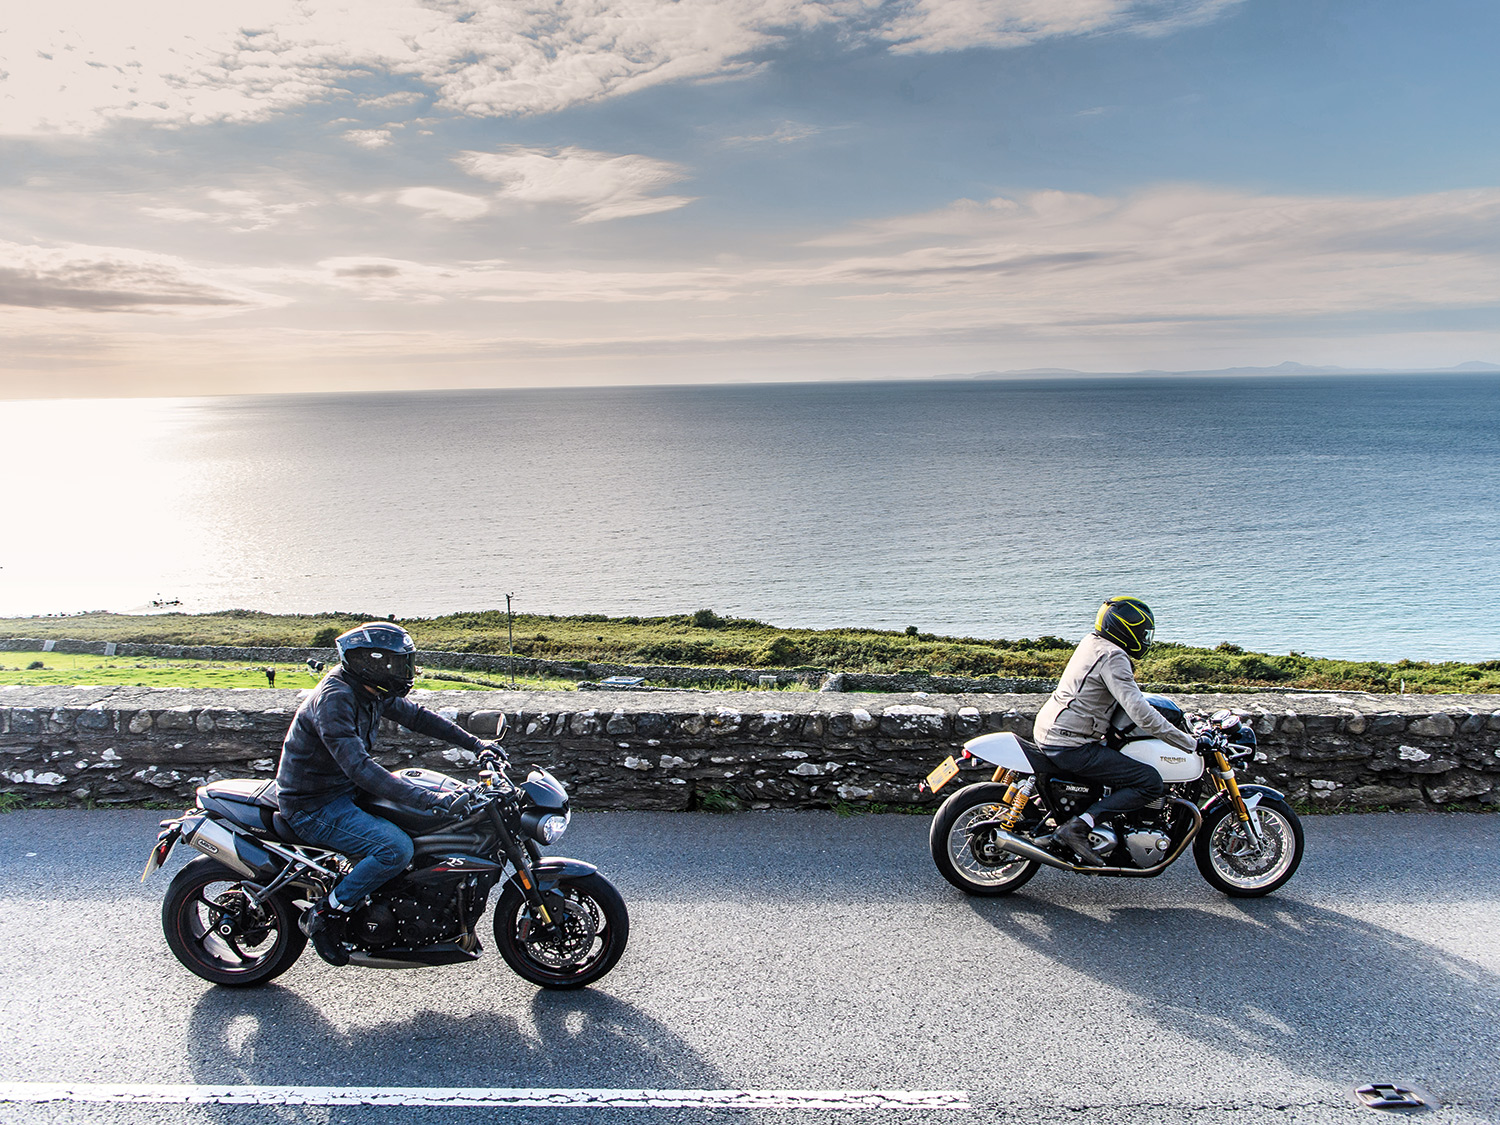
[[1075, 834], [325, 925]]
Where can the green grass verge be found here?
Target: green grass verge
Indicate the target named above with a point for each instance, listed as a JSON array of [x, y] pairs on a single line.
[[72, 670], [707, 639]]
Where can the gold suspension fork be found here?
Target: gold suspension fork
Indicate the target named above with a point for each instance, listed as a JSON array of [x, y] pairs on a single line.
[[1229, 783]]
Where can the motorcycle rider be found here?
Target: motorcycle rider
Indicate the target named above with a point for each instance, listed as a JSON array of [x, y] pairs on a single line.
[[1070, 726], [328, 753]]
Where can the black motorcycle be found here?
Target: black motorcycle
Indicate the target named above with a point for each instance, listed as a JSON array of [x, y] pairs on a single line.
[[231, 915]]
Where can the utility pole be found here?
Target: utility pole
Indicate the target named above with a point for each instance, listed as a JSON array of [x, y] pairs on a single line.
[[510, 630]]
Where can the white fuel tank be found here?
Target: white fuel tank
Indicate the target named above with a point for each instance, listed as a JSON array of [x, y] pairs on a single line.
[[1173, 764], [1002, 750]]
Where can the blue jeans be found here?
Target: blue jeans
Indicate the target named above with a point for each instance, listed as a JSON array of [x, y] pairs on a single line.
[[384, 849]]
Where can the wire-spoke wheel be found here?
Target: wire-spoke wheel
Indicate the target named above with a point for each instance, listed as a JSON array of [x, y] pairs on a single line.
[[1234, 863], [588, 934], [213, 928], [971, 861]]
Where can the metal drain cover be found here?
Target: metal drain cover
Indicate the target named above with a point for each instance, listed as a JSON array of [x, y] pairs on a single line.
[[1393, 1097]]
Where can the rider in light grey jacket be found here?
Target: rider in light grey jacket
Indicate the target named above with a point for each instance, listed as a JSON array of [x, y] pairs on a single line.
[[1071, 726]]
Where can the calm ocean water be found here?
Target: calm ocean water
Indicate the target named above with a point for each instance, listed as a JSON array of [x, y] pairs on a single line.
[[1346, 516]]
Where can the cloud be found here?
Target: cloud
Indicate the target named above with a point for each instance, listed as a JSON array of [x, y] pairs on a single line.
[[238, 210], [931, 26], [368, 138], [599, 185], [443, 204], [111, 279], [75, 65], [1049, 261], [787, 133]]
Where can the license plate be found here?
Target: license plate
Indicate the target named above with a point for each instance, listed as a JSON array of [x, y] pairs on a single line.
[[945, 773], [159, 853]]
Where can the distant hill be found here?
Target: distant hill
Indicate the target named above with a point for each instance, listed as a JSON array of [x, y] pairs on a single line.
[[1287, 368]]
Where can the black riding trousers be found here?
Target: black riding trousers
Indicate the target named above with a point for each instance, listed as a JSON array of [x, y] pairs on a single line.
[[1132, 784]]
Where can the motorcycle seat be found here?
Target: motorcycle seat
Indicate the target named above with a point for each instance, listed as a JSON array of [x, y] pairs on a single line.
[[1048, 770], [284, 831]]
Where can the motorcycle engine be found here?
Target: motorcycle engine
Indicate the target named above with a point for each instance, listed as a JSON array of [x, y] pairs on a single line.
[[1148, 848], [413, 914]]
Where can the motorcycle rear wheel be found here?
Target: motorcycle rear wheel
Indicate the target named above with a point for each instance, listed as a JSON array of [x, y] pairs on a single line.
[[1232, 864], [213, 930], [595, 926], [954, 856]]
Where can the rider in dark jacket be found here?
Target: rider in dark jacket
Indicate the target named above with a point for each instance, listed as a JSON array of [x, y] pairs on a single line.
[[328, 754], [1070, 727]]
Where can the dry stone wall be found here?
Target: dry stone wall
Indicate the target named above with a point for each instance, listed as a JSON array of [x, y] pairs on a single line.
[[120, 745]]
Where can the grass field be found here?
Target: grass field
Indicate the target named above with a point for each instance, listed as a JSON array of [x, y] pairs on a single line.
[[707, 639], [75, 670]]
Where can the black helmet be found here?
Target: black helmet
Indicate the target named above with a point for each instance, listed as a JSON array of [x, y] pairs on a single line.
[[1127, 622], [379, 655]]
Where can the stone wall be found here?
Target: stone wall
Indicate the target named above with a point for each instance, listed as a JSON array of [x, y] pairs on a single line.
[[119, 745]]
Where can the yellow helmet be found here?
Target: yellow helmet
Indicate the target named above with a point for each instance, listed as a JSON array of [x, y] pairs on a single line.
[[1128, 623]]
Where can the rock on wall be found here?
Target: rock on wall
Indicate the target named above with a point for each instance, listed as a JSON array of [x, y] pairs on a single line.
[[116, 745]]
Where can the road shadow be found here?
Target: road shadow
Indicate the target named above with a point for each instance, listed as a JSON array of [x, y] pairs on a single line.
[[1325, 994], [273, 1036]]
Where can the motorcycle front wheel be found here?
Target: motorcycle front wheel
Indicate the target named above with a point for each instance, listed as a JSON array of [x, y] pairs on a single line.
[[212, 928], [1231, 862], [972, 866], [584, 944]]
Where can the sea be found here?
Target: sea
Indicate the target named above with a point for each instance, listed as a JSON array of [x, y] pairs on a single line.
[[1343, 516]]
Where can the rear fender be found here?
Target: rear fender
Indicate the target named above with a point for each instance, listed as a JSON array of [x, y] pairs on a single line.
[[1002, 750]]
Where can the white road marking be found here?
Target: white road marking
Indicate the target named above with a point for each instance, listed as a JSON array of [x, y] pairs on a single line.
[[467, 1096]]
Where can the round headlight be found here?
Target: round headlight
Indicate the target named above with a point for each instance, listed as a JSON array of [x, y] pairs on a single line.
[[553, 826]]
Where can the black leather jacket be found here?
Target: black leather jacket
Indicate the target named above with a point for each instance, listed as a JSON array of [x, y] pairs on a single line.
[[328, 750]]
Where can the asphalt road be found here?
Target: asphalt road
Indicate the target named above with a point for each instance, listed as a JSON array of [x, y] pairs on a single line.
[[774, 951]]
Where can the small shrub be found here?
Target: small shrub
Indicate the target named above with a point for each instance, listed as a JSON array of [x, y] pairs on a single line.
[[911, 630], [780, 651], [717, 800], [707, 619]]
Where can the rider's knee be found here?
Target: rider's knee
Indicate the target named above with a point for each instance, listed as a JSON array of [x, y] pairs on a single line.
[[397, 853]]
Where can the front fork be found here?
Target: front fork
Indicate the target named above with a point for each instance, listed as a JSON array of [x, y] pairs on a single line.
[[1225, 778], [521, 861]]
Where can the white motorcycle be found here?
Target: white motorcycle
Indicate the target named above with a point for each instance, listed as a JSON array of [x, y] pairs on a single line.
[[991, 837]]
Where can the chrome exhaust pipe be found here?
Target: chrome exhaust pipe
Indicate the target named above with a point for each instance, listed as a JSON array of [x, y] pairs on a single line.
[[1028, 850], [1012, 843], [242, 856]]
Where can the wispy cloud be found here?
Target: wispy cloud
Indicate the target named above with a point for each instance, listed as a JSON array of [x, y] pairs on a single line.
[[238, 210], [74, 65], [1049, 259], [597, 185], [111, 279], [443, 204], [931, 26], [787, 133]]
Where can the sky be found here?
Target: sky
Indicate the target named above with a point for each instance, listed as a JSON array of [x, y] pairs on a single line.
[[289, 195]]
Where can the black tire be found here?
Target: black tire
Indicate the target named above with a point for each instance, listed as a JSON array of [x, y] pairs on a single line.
[[1231, 864], [953, 854], [596, 924], [204, 898]]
